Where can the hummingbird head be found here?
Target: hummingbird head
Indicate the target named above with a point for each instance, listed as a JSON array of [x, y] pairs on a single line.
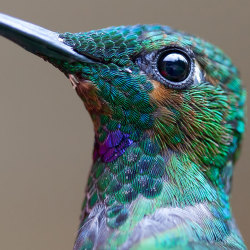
[[148, 81], [152, 81]]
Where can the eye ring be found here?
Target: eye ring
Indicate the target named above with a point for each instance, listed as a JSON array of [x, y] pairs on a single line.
[[179, 64]]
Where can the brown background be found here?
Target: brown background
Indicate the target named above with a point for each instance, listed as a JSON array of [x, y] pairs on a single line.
[[46, 135]]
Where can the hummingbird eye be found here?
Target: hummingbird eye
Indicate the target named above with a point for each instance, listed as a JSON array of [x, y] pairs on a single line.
[[174, 65]]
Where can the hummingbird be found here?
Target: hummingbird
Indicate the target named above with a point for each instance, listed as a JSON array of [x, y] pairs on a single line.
[[168, 115]]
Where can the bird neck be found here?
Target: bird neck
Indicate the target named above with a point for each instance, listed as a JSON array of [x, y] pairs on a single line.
[[125, 171], [134, 185]]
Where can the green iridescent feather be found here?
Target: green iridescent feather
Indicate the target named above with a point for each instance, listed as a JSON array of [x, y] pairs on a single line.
[[183, 141]]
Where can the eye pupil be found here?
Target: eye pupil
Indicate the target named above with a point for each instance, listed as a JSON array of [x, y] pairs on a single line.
[[174, 66]]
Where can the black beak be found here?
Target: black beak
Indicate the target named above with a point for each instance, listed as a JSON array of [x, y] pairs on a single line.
[[38, 40]]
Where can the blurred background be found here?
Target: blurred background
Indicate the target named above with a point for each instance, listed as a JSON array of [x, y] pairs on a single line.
[[46, 135]]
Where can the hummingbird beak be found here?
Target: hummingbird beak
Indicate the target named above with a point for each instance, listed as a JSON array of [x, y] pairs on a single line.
[[37, 40]]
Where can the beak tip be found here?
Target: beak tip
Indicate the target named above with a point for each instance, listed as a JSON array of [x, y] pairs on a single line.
[[38, 40]]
